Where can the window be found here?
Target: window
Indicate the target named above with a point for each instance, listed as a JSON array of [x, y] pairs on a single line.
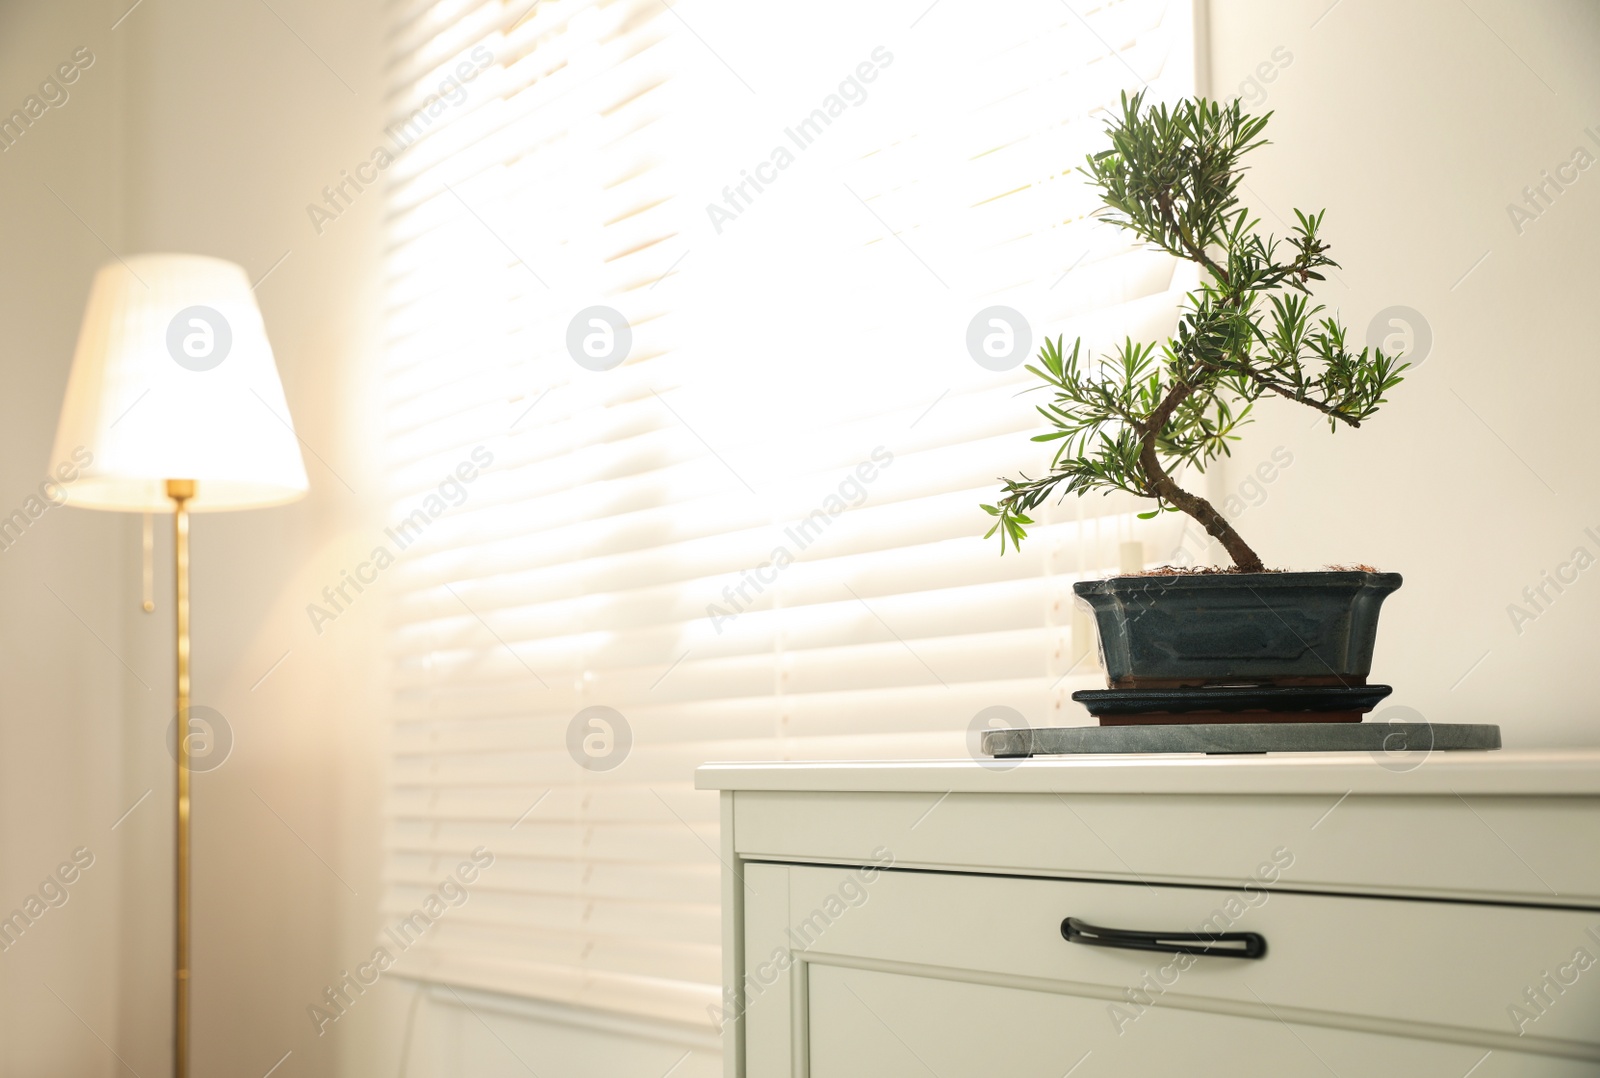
[[757, 536]]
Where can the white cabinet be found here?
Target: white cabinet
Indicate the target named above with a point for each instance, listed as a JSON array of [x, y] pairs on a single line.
[[908, 918]]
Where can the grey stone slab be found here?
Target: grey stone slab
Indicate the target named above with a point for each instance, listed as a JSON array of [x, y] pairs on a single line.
[[1397, 740]]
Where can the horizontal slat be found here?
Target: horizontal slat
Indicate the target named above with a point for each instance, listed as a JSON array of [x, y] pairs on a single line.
[[510, 914], [679, 998], [493, 722], [638, 954]]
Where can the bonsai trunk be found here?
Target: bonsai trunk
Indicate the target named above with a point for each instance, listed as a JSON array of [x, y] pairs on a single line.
[[1162, 485]]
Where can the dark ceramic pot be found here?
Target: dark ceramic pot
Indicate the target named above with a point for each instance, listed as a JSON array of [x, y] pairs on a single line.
[[1237, 629]]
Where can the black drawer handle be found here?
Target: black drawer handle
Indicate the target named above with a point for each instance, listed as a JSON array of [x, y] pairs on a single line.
[[1220, 945]]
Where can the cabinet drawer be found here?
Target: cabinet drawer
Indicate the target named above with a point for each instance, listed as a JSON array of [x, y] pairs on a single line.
[[866, 1024], [1499, 976], [1501, 849]]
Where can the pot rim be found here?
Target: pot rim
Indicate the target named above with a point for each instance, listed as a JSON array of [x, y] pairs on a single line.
[[1312, 578]]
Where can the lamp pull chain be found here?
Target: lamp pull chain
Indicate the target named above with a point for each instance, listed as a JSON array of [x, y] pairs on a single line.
[[147, 601]]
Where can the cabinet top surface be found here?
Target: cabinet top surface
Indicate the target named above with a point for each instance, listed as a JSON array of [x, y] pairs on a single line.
[[1569, 773]]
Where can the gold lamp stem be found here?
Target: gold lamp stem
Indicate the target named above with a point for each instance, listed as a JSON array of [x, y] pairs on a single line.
[[181, 491]]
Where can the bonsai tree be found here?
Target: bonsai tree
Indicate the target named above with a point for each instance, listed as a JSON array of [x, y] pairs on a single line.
[[1132, 419]]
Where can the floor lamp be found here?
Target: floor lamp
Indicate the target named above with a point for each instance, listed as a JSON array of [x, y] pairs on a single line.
[[174, 403]]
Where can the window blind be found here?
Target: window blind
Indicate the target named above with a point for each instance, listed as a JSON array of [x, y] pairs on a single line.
[[758, 536]]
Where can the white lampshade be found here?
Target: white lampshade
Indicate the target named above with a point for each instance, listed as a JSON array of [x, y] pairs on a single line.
[[174, 379]]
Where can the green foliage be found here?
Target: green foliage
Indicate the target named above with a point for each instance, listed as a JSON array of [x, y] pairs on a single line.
[[1127, 419]]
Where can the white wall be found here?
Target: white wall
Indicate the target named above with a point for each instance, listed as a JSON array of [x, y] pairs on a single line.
[[61, 679], [1415, 125]]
